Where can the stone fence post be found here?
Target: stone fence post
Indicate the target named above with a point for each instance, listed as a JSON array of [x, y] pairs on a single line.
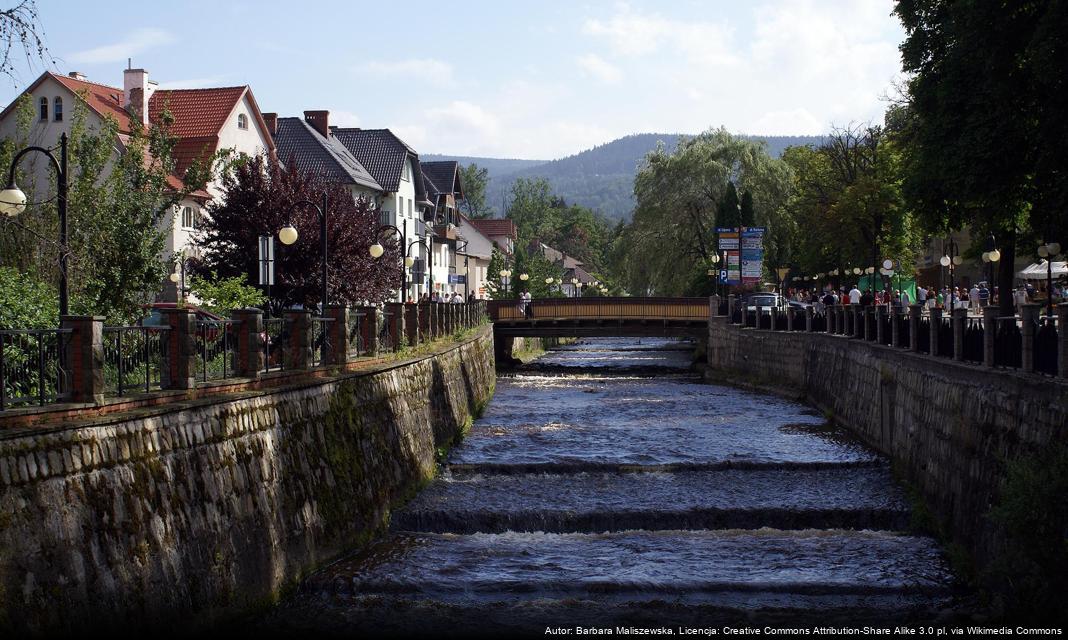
[[411, 323], [915, 311], [858, 320], [895, 329], [808, 319], [84, 357], [789, 318], [178, 368], [959, 321], [425, 323], [713, 306], [336, 347], [935, 329], [1062, 339], [1028, 318], [249, 331], [990, 329], [731, 301], [299, 346], [880, 311]]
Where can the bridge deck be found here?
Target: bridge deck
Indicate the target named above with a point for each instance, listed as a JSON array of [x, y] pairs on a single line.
[[601, 317]]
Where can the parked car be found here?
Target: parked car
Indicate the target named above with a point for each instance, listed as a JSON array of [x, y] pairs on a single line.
[[212, 323], [765, 301]]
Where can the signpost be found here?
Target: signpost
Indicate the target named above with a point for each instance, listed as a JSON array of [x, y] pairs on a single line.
[[752, 254], [728, 244]]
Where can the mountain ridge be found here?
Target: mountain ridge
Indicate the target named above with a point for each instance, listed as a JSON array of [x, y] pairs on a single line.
[[601, 177]]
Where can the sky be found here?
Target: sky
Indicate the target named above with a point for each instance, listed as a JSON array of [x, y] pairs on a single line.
[[517, 79]]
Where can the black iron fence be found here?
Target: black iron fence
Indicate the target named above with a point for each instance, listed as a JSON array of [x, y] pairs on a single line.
[[275, 341], [356, 325], [216, 349], [33, 366], [1045, 347], [320, 340], [133, 358]]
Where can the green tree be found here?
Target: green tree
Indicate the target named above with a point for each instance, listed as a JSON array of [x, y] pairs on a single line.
[[984, 123], [493, 275], [475, 179], [223, 295], [532, 209]]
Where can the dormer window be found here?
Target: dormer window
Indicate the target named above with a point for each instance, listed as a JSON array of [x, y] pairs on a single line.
[[406, 172], [44, 109], [242, 121], [57, 109]]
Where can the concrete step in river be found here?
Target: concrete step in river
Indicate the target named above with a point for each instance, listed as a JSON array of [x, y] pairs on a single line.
[[607, 486]]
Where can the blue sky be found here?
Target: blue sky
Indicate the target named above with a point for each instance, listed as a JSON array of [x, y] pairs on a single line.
[[506, 78]]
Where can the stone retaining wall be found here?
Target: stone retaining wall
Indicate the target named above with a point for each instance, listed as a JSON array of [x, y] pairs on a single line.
[[949, 427], [205, 508]]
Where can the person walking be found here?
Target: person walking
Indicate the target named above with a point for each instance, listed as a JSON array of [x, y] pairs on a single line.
[[854, 295]]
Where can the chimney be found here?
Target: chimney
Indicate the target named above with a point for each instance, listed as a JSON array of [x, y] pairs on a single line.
[[135, 92], [77, 75], [271, 120], [320, 121]]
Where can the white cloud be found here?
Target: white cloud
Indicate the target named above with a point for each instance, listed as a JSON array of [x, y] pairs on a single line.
[[599, 68], [138, 41], [343, 118], [796, 122], [630, 33], [428, 70]]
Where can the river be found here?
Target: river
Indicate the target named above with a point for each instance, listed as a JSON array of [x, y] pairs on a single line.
[[606, 485]]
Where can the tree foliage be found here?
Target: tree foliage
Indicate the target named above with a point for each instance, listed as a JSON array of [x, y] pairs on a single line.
[[21, 30], [684, 195], [259, 197], [475, 179], [984, 120], [223, 295]]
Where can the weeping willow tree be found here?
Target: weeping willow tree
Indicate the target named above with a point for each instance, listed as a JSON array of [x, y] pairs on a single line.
[[668, 246]]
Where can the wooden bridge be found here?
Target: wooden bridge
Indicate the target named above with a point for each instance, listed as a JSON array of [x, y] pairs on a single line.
[[602, 317]]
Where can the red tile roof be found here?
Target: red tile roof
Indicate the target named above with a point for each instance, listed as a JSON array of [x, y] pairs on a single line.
[[101, 98], [197, 112], [491, 227]]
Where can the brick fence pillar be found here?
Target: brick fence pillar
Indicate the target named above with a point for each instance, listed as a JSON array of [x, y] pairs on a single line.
[[1028, 319], [1062, 339], [395, 322], [425, 321], [248, 326], [808, 319], [990, 330], [299, 346], [915, 310], [790, 318], [895, 328], [178, 368], [84, 357], [336, 347], [935, 329], [959, 321], [411, 323]]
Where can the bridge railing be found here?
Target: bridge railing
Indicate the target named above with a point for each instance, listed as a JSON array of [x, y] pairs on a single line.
[[621, 308]]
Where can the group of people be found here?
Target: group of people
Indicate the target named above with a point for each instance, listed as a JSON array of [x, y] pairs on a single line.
[[974, 298], [434, 296]]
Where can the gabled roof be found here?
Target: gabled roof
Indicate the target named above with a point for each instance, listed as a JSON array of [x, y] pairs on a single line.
[[101, 99], [467, 232], [444, 176], [326, 157], [197, 112], [495, 227], [383, 154]]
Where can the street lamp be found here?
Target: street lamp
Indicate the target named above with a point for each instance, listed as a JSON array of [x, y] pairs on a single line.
[[13, 202], [991, 257], [951, 260], [407, 260], [1049, 251], [782, 272], [506, 281], [178, 276], [288, 235]]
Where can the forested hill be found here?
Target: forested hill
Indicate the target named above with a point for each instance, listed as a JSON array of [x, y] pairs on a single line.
[[601, 178]]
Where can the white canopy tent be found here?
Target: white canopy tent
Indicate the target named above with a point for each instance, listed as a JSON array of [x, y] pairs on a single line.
[[1038, 271]]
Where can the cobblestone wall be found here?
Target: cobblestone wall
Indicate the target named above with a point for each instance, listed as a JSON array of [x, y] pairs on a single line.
[[949, 427], [203, 509]]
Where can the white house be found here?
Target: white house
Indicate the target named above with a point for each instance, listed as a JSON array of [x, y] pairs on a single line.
[[205, 121]]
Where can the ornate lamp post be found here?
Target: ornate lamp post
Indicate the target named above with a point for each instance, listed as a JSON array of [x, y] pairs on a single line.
[[377, 250], [991, 256], [288, 235], [506, 281], [13, 202], [951, 260]]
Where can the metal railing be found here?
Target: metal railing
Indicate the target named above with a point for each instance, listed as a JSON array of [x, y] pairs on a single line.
[[133, 358], [601, 309], [216, 349], [356, 346], [33, 368], [1008, 342], [320, 340], [275, 344], [1045, 347], [385, 331]]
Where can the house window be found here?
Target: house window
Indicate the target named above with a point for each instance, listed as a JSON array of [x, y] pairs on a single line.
[[400, 206], [189, 218], [57, 109], [242, 121], [406, 171], [44, 109], [409, 207]]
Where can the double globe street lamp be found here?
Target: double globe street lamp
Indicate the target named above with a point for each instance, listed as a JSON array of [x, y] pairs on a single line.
[[377, 250], [287, 235], [13, 202], [1049, 251]]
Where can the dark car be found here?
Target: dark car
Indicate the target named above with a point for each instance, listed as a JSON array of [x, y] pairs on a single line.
[[765, 301]]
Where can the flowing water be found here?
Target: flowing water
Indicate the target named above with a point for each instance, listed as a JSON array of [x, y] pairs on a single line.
[[608, 486]]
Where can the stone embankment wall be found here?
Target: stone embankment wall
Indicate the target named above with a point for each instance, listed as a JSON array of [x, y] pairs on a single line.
[[202, 509], [950, 428]]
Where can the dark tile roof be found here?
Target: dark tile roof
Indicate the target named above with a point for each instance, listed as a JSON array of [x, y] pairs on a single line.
[[445, 177], [383, 154], [295, 139]]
